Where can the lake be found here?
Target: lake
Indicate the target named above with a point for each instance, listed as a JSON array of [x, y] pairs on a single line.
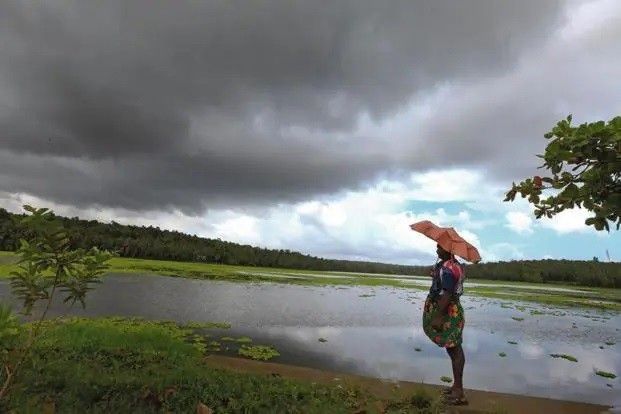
[[375, 331]]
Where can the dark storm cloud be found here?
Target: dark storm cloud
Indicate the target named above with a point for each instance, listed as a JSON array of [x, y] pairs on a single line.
[[156, 104]]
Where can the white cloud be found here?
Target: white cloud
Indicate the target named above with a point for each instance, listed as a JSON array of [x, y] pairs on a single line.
[[501, 251], [519, 222], [371, 224], [445, 185], [569, 221]]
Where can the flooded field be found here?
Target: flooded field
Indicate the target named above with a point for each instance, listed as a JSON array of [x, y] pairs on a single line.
[[376, 331]]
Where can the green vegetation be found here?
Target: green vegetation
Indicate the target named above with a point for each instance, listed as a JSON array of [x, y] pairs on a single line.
[[322, 340], [610, 343], [565, 356], [131, 365], [571, 272], [515, 318], [512, 342], [242, 340], [585, 167], [258, 352], [502, 354], [606, 374], [171, 248], [601, 298], [446, 379], [417, 349], [419, 402], [46, 266], [154, 243]]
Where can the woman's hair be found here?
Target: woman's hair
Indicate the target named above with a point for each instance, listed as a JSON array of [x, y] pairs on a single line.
[[443, 254]]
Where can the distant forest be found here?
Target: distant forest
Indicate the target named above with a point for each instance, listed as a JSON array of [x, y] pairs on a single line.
[[154, 243]]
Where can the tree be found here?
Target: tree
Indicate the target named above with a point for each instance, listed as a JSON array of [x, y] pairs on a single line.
[[46, 266], [585, 171]]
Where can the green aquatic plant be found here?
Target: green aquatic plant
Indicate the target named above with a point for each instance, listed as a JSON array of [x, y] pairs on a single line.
[[258, 352], [610, 343], [515, 318], [216, 325], [565, 356], [241, 340], [512, 342], [502, 354], [322, 340], [605, 374], [417, 349]]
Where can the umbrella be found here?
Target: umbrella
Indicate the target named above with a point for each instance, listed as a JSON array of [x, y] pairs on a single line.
[[448, 239]]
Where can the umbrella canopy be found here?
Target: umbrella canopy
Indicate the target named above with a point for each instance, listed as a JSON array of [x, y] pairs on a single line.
[[448, 239]]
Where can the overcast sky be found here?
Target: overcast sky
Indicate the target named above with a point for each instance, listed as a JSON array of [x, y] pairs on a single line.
[[324, 127]]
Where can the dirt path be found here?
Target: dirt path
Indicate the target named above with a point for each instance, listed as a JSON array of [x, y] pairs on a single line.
[[480, 401]]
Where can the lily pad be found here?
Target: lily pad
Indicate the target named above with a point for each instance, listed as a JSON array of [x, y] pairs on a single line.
[[606, 374], [515, 318], [216, 325], [258, 352], [446, 379], [502, 354], [512, 342], [417, 349], [322, 340], [241, 340], [565, 356], [610, 343]]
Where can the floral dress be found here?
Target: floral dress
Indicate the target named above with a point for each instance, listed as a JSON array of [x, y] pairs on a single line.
[[448, 279]]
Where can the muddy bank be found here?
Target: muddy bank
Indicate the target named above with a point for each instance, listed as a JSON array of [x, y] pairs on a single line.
[[479, 401]]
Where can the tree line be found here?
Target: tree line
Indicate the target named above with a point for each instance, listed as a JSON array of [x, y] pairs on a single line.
[[155, 243]]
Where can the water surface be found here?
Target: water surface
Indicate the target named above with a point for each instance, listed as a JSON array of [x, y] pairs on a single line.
[[374, 331]]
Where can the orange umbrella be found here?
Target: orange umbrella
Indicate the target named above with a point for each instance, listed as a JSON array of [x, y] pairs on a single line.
[[448, 239]]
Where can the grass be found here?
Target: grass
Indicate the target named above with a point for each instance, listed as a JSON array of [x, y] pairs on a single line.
[[600, 298], [127, 365]]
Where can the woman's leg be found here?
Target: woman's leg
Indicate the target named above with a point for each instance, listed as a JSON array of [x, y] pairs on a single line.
[[458, 360]]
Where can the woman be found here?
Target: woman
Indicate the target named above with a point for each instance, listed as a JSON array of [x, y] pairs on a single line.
[[443, 317]]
